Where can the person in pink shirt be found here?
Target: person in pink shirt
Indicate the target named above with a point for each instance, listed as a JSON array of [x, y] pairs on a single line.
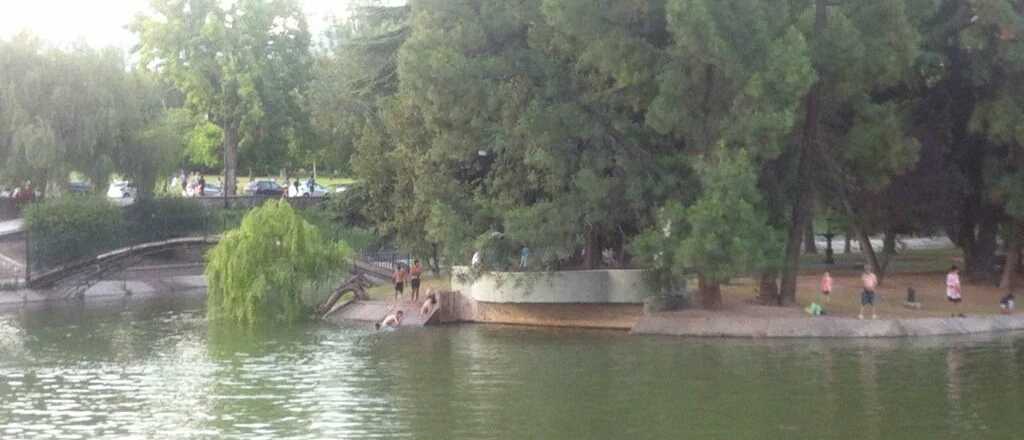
[[953, 291], [867, 297], [826, 286]]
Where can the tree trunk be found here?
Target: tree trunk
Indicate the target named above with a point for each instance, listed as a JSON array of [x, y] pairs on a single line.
[[1013, 245], [804, 188], [710, 293], [980, 255], [847, 246], [889, 243], [869, 252], [810, 247], [230, 159], [591, 249], [435, 261], [768, 288]]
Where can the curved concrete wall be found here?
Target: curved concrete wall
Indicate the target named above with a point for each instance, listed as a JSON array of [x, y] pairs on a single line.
[[575, 287]]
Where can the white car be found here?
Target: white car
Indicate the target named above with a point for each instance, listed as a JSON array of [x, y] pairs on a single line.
[[303, 191], [122, 190]]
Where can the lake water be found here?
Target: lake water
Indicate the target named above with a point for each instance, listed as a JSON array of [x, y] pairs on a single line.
[[155, 369]]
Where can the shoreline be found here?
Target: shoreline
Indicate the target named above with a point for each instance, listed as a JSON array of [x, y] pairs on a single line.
[[751, 322]]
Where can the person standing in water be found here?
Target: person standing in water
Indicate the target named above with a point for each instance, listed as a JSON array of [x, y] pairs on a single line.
[[867, 297], [414, 274], [953, 291]]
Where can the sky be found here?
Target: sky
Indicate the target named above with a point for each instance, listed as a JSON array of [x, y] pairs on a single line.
[[102, 22]]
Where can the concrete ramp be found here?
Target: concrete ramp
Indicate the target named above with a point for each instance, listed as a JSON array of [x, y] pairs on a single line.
[[370, 312]]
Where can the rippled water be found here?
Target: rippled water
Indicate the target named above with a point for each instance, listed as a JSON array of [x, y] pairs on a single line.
[[155, 369]]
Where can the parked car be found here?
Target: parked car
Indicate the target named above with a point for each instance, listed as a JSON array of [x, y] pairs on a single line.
[[79, 188], [122, 190], [318, 191], [264, 188], [213, 190]]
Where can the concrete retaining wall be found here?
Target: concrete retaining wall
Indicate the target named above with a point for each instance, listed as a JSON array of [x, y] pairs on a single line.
[[745, 327], [576, 287]]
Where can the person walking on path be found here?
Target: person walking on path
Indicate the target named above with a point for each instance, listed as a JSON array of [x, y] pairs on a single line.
[[867, 297], [953, 291], [826, 286], [414, 274], [399, 278], [524, 254]]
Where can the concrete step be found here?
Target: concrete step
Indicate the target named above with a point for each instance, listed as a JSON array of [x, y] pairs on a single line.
[[370, 312]]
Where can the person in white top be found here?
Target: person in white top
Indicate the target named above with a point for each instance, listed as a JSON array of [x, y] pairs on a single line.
[[867, 297], [953, 292]]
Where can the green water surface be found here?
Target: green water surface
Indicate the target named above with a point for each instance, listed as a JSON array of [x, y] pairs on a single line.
[[155, 369]]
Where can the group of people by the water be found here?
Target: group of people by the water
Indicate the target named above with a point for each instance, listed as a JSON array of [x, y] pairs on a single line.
[[869, 297], [412, 275]]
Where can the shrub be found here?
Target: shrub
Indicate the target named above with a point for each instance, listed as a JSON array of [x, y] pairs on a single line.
[[68, 228], [160, 219]]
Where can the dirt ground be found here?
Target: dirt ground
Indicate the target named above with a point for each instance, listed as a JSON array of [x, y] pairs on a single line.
[[979, 298]]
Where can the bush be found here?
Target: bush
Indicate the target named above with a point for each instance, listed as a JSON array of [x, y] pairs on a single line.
[[161, 219], [68, 228]]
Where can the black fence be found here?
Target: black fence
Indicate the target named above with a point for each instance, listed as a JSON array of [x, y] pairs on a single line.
[[385, 261]]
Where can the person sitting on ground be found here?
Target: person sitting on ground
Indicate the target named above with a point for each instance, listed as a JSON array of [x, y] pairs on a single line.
[[826, 286], [429, 304], [911, 301], [1006, 305], [867, 297], [391, 321], [953, 290]]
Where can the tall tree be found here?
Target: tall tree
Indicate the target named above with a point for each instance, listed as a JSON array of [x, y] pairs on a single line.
[[242, 65]]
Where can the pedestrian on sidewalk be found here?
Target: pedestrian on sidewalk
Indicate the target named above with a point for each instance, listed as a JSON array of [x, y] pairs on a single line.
[[524, 254], [953, 290], [826, 286], [867, 297]]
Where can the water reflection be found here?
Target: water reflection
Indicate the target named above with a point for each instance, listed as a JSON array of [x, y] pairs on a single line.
[[158, 370]]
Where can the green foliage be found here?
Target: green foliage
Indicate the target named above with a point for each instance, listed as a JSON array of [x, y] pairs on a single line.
[[258, 272], [723, 234], [67, 228], [241, 65], [79, 110]]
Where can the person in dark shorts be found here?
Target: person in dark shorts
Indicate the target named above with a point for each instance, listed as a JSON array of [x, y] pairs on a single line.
[[414, 279], [1007, 304], [867, 297], [399, 279]]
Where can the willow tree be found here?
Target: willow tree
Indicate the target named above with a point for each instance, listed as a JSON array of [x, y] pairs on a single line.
[[241, 65], [259, 272]]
